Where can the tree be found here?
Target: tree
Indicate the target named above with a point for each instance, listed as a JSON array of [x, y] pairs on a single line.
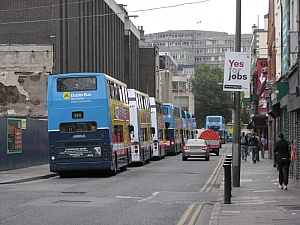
[[210, 99]]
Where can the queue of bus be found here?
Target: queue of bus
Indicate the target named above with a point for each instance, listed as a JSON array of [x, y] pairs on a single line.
[[225, 130], [96, 124]]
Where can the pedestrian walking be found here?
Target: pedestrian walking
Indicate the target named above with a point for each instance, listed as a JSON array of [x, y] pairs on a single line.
[[258, 147], [282, 148], [264, 144], [248, 135], [244, 146], [253, 146]]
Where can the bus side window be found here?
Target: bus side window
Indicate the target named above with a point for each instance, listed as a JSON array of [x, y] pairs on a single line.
[[118, 134], [160, 134], [116, 92]]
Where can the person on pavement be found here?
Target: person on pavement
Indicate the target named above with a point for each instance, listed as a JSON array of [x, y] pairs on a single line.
[[258, 147], [253, 146], [244, 144], [264, 144], [282, 148]]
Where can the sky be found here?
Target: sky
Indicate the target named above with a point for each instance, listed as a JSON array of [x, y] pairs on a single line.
[[209, 15]]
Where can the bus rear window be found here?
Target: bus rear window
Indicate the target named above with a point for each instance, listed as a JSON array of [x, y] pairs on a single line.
[[76, 83], [213, 120], [78, 127]]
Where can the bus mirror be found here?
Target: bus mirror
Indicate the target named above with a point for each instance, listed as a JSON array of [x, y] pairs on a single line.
[[152, 130]]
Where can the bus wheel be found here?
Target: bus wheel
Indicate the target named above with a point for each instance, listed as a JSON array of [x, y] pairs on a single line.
[[64, 174], [123, 168]]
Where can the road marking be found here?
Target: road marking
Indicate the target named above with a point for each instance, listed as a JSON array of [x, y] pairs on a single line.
[[214, 174], [152, 196], [186, 214], [196, 214], [129, 197]]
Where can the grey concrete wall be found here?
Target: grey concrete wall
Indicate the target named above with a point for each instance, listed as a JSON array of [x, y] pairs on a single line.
[[24, 71]]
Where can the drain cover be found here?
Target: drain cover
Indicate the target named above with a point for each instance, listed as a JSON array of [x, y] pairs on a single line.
[[70, 201]]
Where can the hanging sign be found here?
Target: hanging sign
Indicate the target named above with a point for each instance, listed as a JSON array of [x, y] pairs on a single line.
[[237, 71]]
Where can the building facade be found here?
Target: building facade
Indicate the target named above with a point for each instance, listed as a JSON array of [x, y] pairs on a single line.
[[52, 37], [284, 78], [87, 36], [189, 47]]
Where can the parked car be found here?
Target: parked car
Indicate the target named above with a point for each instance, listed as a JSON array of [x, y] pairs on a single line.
[[195, 148]]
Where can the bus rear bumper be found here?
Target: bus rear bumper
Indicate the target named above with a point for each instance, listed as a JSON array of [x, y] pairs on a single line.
[[58, 167]]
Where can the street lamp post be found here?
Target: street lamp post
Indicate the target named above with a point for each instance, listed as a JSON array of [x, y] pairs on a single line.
[[236, 154]]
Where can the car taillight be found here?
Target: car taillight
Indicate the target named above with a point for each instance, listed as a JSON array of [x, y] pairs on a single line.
[[185, 148], [172, 142], [204, 148]]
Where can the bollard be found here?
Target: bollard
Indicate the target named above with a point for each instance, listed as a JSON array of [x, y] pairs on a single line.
[[227, 182], [228, 158]]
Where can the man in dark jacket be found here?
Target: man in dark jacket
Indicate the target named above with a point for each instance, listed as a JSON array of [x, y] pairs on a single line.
[[282, 149], [253, 146]]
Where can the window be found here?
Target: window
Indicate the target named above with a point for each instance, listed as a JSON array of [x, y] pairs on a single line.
[[118, 134], [77, 127], [144, 132], [213, 119], [165, 110], [76, 84]]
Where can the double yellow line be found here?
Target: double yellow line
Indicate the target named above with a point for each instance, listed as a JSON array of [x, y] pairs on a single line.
[[188, 213], [214, 176], [208, 186]]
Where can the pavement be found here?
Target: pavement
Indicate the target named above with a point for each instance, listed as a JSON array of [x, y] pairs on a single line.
[[258, 200], [26, 174]]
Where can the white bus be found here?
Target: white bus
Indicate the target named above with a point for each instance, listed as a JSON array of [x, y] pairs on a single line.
[[158, 123], [140, 119]]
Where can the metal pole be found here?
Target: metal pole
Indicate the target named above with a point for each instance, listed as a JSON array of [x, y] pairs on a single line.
[[236, 151]]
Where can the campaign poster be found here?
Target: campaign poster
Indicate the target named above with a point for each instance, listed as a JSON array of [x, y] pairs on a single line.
[[262, 85], [237, 71]]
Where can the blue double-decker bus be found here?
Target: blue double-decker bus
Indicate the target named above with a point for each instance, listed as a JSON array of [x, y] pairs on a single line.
[[218, 124], [193, 126], [88, 123], [173, 122]]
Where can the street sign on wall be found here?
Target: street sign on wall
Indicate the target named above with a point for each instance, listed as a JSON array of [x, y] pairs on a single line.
[[237, 71]]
